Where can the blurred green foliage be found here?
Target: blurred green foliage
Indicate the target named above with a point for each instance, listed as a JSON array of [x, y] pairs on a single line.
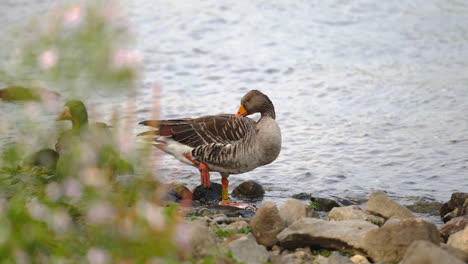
[[84, 216], [75, 48]]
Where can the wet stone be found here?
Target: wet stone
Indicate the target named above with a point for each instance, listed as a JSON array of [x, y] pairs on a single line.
[[210, 195], [302, 196], [248, 189], [456, 206], [323, 204]]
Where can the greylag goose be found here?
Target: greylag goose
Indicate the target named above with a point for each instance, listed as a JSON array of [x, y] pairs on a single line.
[[228, 144], [96, 135]]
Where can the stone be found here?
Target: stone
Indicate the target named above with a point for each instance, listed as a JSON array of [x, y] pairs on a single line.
[[247, 250], [345, 236], [175, 192], [293, 210], [425, 252], [359, 259], [380, 204], [215, 210], [280, 260], [456, 206], [302, 196], [266, 224], [425, 207], [237, 226], [459, 240], [389, 243], [453, 226], [337, 258], [248, 189], [323, 204], [202, 239], [210, 195], [463, 256], [354, 212]]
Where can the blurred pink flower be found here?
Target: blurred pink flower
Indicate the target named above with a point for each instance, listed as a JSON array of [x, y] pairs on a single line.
[[97, 256], [37, 210], [48, 59], [153, 215], [73, 189], [100, 213], [126, 59], [60, 221], [53, 191], [73, 16], [182, 236]]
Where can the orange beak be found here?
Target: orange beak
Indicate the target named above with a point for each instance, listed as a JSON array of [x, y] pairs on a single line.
[[65, 114], [242, 111]]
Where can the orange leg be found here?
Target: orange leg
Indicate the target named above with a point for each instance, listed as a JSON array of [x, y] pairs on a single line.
[[205, 174], [225, 191], [203, 168], [225, 195]]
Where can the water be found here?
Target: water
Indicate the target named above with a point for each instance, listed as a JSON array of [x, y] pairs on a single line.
[[368, 94]]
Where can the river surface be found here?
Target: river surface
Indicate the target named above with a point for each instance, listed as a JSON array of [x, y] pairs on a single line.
[[369, 94]]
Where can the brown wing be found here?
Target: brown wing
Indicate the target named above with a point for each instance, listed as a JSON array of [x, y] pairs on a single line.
[[204, 130]]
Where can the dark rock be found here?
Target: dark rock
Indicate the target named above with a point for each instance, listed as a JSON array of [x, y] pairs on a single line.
[[425, 252], [346, 236], [248, 189], [210, 195], [426, 207], [456, 206], [293, 210], [302, 196], [389, 243], [323, 204], [266, 224], [380, 204], [453, 226]]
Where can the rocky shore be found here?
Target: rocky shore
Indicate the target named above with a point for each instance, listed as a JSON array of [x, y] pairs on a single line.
[[323, 231]]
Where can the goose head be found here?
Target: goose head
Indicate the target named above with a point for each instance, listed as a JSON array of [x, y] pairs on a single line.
[[75, 111], [256, 102]]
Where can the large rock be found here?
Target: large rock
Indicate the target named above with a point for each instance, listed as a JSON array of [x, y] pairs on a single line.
[[425, 252], [354, 212], [293, 210], [380, 204], [460, 254], [389, 243], [453, 226], [345, 236], [266, 224], [456, 206], [459, 240], [201, 240], [248, 189], [246, 250]]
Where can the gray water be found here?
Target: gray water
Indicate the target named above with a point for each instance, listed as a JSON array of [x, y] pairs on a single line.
[[368, 94]]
